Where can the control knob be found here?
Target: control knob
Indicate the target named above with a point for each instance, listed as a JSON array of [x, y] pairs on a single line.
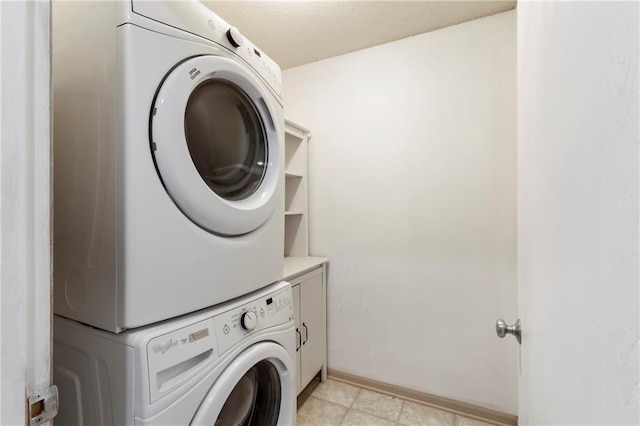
[[235, 37], [249, 320]]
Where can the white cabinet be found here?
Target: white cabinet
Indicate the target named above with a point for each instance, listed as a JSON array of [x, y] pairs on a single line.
[[309, 301]]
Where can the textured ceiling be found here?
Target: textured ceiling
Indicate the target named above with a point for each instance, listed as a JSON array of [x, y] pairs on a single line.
[[299, 32]]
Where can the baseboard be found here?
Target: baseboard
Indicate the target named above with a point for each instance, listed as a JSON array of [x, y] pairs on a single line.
[[446, 404]]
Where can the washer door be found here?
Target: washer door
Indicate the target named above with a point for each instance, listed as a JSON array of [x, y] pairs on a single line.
[[255, 389], [215, 144]]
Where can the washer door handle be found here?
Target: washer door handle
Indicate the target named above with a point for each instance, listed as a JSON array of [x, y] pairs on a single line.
[[306, 333]]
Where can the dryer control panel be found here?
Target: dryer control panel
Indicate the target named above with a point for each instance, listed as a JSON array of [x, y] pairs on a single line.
[[196, 18], [234, 325]]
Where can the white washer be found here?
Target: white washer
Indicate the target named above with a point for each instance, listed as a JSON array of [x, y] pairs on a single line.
[[168, 153], [203, 369]]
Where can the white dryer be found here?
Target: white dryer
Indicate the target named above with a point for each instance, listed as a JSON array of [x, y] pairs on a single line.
[[168, 159], [229, 365]]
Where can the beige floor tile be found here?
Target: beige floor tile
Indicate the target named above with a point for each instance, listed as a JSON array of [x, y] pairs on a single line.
[[357, 418], [465, 421], [421, 415], [384, 406], [336, 392], [316, 412]]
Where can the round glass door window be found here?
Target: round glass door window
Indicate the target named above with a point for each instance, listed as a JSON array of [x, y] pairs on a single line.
[[216, 145], [226, 139], [255, 400]]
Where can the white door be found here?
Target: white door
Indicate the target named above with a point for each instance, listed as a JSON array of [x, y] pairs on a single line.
[[578, 204], [25, 199]]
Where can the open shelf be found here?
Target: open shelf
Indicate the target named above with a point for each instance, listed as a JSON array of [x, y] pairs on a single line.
[[295, 154], [296, 201], [295, 236], [295, 198]]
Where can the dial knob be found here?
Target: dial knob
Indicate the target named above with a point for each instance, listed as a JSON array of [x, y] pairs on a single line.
[[249, 320], [235, 37]]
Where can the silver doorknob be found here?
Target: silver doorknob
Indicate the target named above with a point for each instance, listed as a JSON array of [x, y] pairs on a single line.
[[502, 329]]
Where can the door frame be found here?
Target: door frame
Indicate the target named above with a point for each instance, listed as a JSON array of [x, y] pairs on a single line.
[[25, 206]]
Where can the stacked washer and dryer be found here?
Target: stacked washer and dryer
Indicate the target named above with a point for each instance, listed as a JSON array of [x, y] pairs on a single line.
[[169, 221]]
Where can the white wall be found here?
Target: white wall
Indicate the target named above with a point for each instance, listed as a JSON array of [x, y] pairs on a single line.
[[578, 239], [413, 197]]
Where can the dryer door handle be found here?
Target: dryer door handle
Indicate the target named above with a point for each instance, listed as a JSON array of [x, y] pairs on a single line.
[[299, 342]]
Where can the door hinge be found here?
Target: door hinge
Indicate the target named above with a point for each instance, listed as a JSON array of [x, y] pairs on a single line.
[[43, 405]]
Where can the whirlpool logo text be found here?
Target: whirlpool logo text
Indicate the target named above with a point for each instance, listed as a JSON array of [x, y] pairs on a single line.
[[163, 348]]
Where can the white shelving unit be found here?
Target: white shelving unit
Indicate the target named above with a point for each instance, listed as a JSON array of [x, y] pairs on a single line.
[[307, 274], [296, 222]]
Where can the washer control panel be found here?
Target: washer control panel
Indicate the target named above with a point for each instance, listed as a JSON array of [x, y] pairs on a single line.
[[175, 357], [236, 324]]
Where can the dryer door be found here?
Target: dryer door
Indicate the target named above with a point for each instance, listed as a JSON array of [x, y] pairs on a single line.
[[216, 144], [257, 388]]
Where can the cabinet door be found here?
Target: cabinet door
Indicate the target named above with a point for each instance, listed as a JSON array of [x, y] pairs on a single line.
[[296, 316], [313, 346]]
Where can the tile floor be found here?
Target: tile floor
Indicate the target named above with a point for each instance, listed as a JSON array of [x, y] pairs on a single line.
[[336, 403]]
